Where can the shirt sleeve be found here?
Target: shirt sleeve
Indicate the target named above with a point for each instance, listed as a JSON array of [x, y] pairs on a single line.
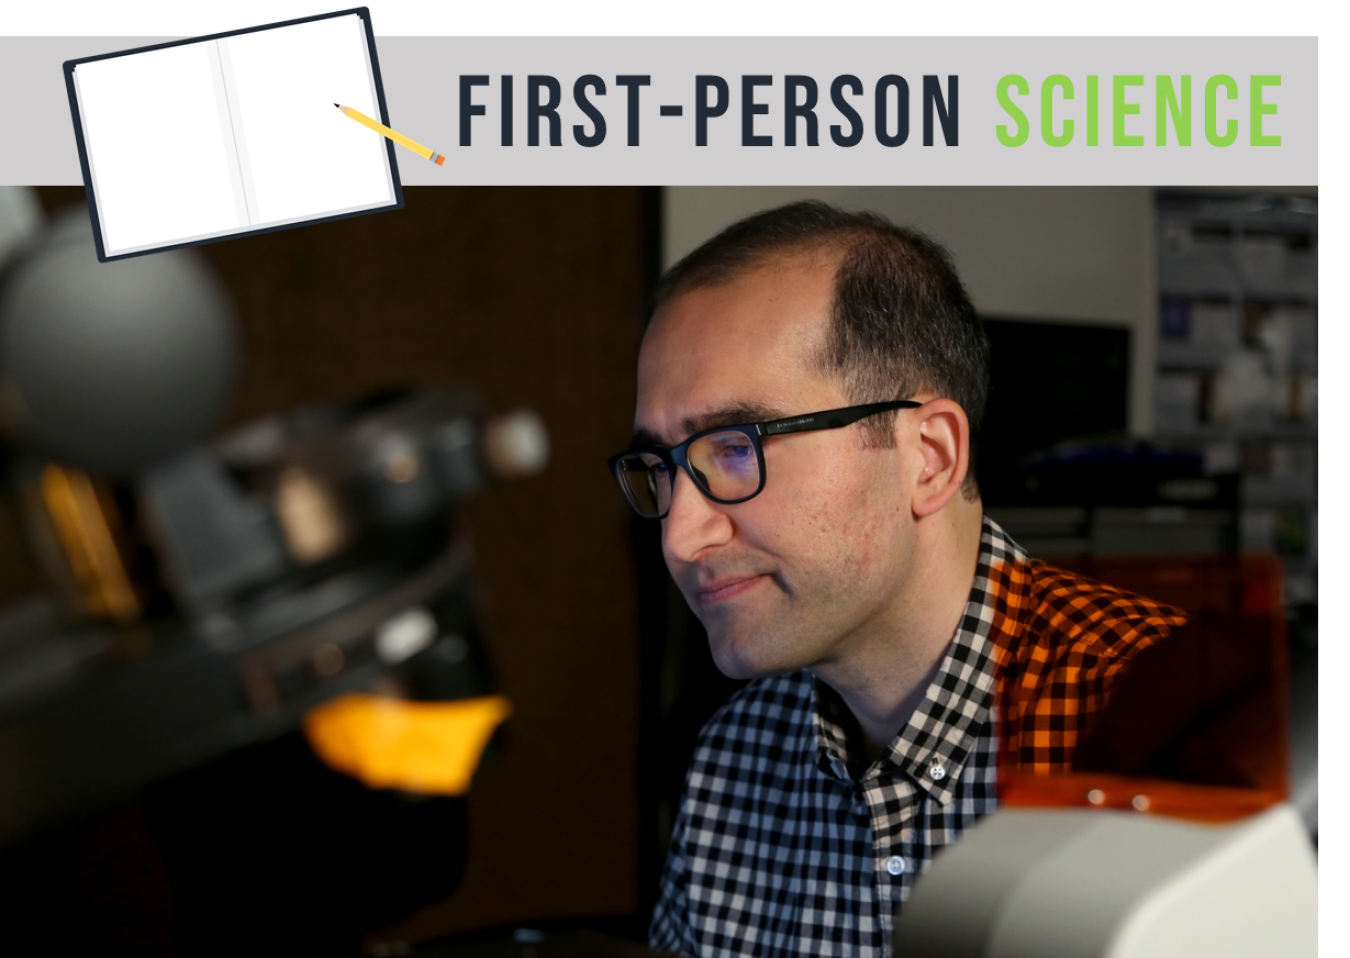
[[670, 930]]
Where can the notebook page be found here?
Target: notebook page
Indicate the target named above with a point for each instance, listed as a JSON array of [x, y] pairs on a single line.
[[301, 158], [157, 141]]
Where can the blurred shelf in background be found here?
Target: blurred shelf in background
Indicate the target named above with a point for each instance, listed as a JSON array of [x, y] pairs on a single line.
[[1237, 360]]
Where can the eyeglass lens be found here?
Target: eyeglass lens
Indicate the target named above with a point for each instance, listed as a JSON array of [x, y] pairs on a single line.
[[724, 465], [646, 483]]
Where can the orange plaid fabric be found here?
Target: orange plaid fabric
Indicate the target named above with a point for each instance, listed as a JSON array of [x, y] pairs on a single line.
[[1060, 641]]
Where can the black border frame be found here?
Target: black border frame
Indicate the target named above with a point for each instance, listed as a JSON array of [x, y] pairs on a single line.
[[69, 70]]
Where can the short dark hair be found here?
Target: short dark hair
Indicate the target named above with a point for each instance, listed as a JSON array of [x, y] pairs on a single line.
[[901, 321]]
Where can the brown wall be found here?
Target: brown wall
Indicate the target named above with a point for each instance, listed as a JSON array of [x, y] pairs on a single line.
[[532, 297]]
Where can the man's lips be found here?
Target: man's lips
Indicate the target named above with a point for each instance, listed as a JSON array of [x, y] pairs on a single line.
[[720, 590]]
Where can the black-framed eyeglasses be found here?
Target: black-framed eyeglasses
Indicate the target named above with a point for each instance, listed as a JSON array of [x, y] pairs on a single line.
[[725, 462]]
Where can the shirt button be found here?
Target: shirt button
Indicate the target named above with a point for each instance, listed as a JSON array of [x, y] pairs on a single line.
[[936, 772], [895, 865]]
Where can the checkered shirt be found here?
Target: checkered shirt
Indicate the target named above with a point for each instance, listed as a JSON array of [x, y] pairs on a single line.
[[779, 851]]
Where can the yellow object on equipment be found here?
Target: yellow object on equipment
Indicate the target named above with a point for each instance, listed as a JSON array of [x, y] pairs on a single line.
[[428, 747]]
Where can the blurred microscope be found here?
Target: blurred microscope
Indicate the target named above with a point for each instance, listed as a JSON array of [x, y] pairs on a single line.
[[208, 600]]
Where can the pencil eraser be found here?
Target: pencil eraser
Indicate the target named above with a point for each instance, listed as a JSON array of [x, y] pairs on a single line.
[[440, 161]]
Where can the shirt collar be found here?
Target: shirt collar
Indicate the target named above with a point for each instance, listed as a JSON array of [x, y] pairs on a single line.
[[933, 746]]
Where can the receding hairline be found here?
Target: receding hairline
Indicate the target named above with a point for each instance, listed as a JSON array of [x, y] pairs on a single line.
[[810, 254], [835, 245], [804, 256]]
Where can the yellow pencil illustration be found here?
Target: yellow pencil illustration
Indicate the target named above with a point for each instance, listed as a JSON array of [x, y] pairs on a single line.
[[394, 135]]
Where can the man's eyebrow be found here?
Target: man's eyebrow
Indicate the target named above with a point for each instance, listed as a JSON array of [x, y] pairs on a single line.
[[732, 414], [643, 437]]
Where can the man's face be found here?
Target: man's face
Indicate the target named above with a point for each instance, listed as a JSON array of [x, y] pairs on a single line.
[[814, 564]]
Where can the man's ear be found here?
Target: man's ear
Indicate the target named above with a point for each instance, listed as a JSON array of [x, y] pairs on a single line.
[[944, 444]]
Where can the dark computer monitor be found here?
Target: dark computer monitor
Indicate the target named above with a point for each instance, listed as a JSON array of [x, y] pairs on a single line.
[[1050, 382]]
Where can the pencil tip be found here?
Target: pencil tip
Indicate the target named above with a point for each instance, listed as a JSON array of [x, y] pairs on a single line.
[[338, 106]]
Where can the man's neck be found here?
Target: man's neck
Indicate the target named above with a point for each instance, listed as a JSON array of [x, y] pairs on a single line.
[[881, 679]]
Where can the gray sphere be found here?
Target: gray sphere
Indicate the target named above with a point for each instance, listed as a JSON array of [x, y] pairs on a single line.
[[111, 366]]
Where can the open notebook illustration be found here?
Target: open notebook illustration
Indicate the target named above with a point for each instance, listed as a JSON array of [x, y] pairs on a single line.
[[227, 135]]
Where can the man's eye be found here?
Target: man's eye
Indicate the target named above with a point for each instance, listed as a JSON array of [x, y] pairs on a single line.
[[734, 452]]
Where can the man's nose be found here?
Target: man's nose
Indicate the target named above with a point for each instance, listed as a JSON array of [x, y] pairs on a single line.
[[694, 522]]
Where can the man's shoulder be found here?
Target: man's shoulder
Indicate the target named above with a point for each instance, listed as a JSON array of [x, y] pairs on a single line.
[[1060, 610], [1070, 609], [1064, 641], [1035, 602], [767, 703], [763, 714], [753, 749]]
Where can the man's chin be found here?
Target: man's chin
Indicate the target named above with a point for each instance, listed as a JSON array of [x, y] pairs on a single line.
[[739, 659]]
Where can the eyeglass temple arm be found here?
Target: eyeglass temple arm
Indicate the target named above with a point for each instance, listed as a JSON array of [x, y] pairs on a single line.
[[833, 418]]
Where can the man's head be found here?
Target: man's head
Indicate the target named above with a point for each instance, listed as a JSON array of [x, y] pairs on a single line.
[[794, 311]]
